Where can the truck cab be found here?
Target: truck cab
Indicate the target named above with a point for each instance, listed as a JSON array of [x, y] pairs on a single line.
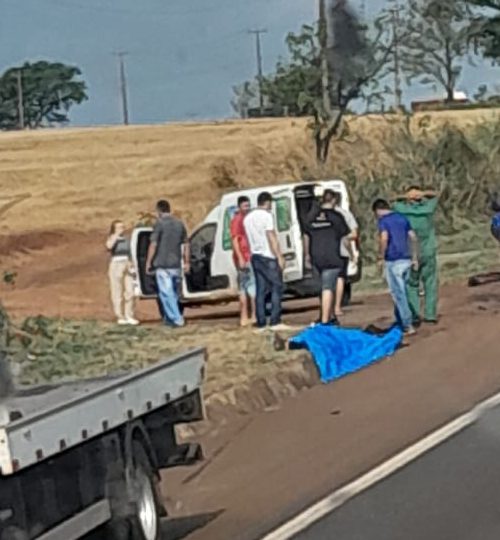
[[213, 275]]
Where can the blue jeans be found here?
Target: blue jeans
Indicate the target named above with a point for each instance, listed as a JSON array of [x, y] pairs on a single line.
[[169, 281], [397, 274], [268, 278]]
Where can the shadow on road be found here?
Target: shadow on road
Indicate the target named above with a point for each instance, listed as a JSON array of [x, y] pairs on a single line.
[[179, 528]]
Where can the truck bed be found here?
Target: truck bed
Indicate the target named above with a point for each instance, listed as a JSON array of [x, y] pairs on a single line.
[[46, 420]]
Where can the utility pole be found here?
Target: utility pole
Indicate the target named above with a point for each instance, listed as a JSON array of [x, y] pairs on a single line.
[[323, 41], [20, 99], [398, 93], [123, 84], [362, 9], [260, 78]]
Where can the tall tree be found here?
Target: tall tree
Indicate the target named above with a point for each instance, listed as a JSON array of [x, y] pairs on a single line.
[[42, 92], [329, 66], [486, 26], [245, 97], [437, 35], [353, 61]]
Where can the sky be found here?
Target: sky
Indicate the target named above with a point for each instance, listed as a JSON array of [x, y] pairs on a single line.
[[184, 55]]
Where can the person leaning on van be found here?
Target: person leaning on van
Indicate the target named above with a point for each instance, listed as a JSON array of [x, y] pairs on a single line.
[[168, 242], [241, 258], [121, 281]]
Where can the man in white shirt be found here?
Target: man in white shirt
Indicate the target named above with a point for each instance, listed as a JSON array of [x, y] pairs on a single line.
[[267, 261]]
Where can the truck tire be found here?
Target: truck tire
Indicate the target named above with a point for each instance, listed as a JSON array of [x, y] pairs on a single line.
[[145, 523], [141, 495]]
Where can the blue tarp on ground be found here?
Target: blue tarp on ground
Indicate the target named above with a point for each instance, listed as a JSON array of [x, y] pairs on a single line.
[[340, 351]]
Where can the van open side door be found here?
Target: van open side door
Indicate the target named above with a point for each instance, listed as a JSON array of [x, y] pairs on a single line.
[[289, 234], [204, 283]]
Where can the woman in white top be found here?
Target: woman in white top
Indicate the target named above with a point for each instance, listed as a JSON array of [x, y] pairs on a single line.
[[120, 274]]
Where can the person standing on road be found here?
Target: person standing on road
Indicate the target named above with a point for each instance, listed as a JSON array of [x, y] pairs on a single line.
[[326, 234], [267, 261], [166, 251], [121, 279], [419, 207], [398, 249], [241, 258], [346, 251]]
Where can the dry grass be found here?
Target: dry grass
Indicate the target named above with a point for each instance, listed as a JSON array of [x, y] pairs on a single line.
[[81, 179], [48, 350]]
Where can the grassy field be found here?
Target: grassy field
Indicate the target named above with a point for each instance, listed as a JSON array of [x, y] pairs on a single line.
[[79, 180]]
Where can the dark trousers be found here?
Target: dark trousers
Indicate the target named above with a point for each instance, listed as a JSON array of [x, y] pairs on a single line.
[[268, 279]]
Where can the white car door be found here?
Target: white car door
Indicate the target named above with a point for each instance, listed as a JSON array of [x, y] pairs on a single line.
[[145, 285], [289, 235], [206, 282]]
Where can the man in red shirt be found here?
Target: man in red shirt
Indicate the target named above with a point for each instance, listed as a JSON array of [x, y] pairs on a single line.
[[241, 257]]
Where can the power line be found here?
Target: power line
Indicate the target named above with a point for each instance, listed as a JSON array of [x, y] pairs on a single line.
[[260, 76], [123, 84]]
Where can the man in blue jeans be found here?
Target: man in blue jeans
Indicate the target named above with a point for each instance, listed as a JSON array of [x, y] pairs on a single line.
[[267, 261], [167, 248], [398, 249]]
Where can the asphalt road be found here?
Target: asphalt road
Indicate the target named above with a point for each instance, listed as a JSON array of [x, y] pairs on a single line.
[[264, 468], [450, 493]]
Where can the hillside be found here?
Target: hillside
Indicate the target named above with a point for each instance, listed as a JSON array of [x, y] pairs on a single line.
[[71, 183]]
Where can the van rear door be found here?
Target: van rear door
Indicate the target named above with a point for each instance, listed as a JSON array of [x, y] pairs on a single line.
[[354, 271], [289, 235], [145, 284]]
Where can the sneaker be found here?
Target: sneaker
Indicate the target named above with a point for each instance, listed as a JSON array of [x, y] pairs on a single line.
[[333, 322], [133, 322], [122, 322], [410, 331], [281, 328], [261, 330]]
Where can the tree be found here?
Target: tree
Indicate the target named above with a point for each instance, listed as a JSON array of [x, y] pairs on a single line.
[[353, 61], [296, 83], [330, 65], [49, 90], [437, 35], [245, 98], [486, 26]]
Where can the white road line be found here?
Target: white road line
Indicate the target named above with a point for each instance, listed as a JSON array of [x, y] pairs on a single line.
[[339, 497]]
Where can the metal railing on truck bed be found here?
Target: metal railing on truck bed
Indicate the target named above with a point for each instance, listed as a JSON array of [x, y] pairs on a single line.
[[45, 421]]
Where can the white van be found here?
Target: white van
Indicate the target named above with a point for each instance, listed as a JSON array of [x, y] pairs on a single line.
[[213, 274]]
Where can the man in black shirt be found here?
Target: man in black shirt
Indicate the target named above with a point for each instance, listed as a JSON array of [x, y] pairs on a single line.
[[326, 232]]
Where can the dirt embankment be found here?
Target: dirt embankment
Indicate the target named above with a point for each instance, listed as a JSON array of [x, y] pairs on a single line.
[[67, 185]]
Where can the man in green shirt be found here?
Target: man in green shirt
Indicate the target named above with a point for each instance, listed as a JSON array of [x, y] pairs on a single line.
[[419, 208]]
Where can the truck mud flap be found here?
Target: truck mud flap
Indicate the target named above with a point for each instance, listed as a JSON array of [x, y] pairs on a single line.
[[185, 454]]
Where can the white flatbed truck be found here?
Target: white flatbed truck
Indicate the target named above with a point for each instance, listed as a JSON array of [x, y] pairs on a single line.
[[82, 459]]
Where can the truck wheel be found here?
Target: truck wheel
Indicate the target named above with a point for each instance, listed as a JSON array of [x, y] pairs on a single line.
[[145, 523]]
